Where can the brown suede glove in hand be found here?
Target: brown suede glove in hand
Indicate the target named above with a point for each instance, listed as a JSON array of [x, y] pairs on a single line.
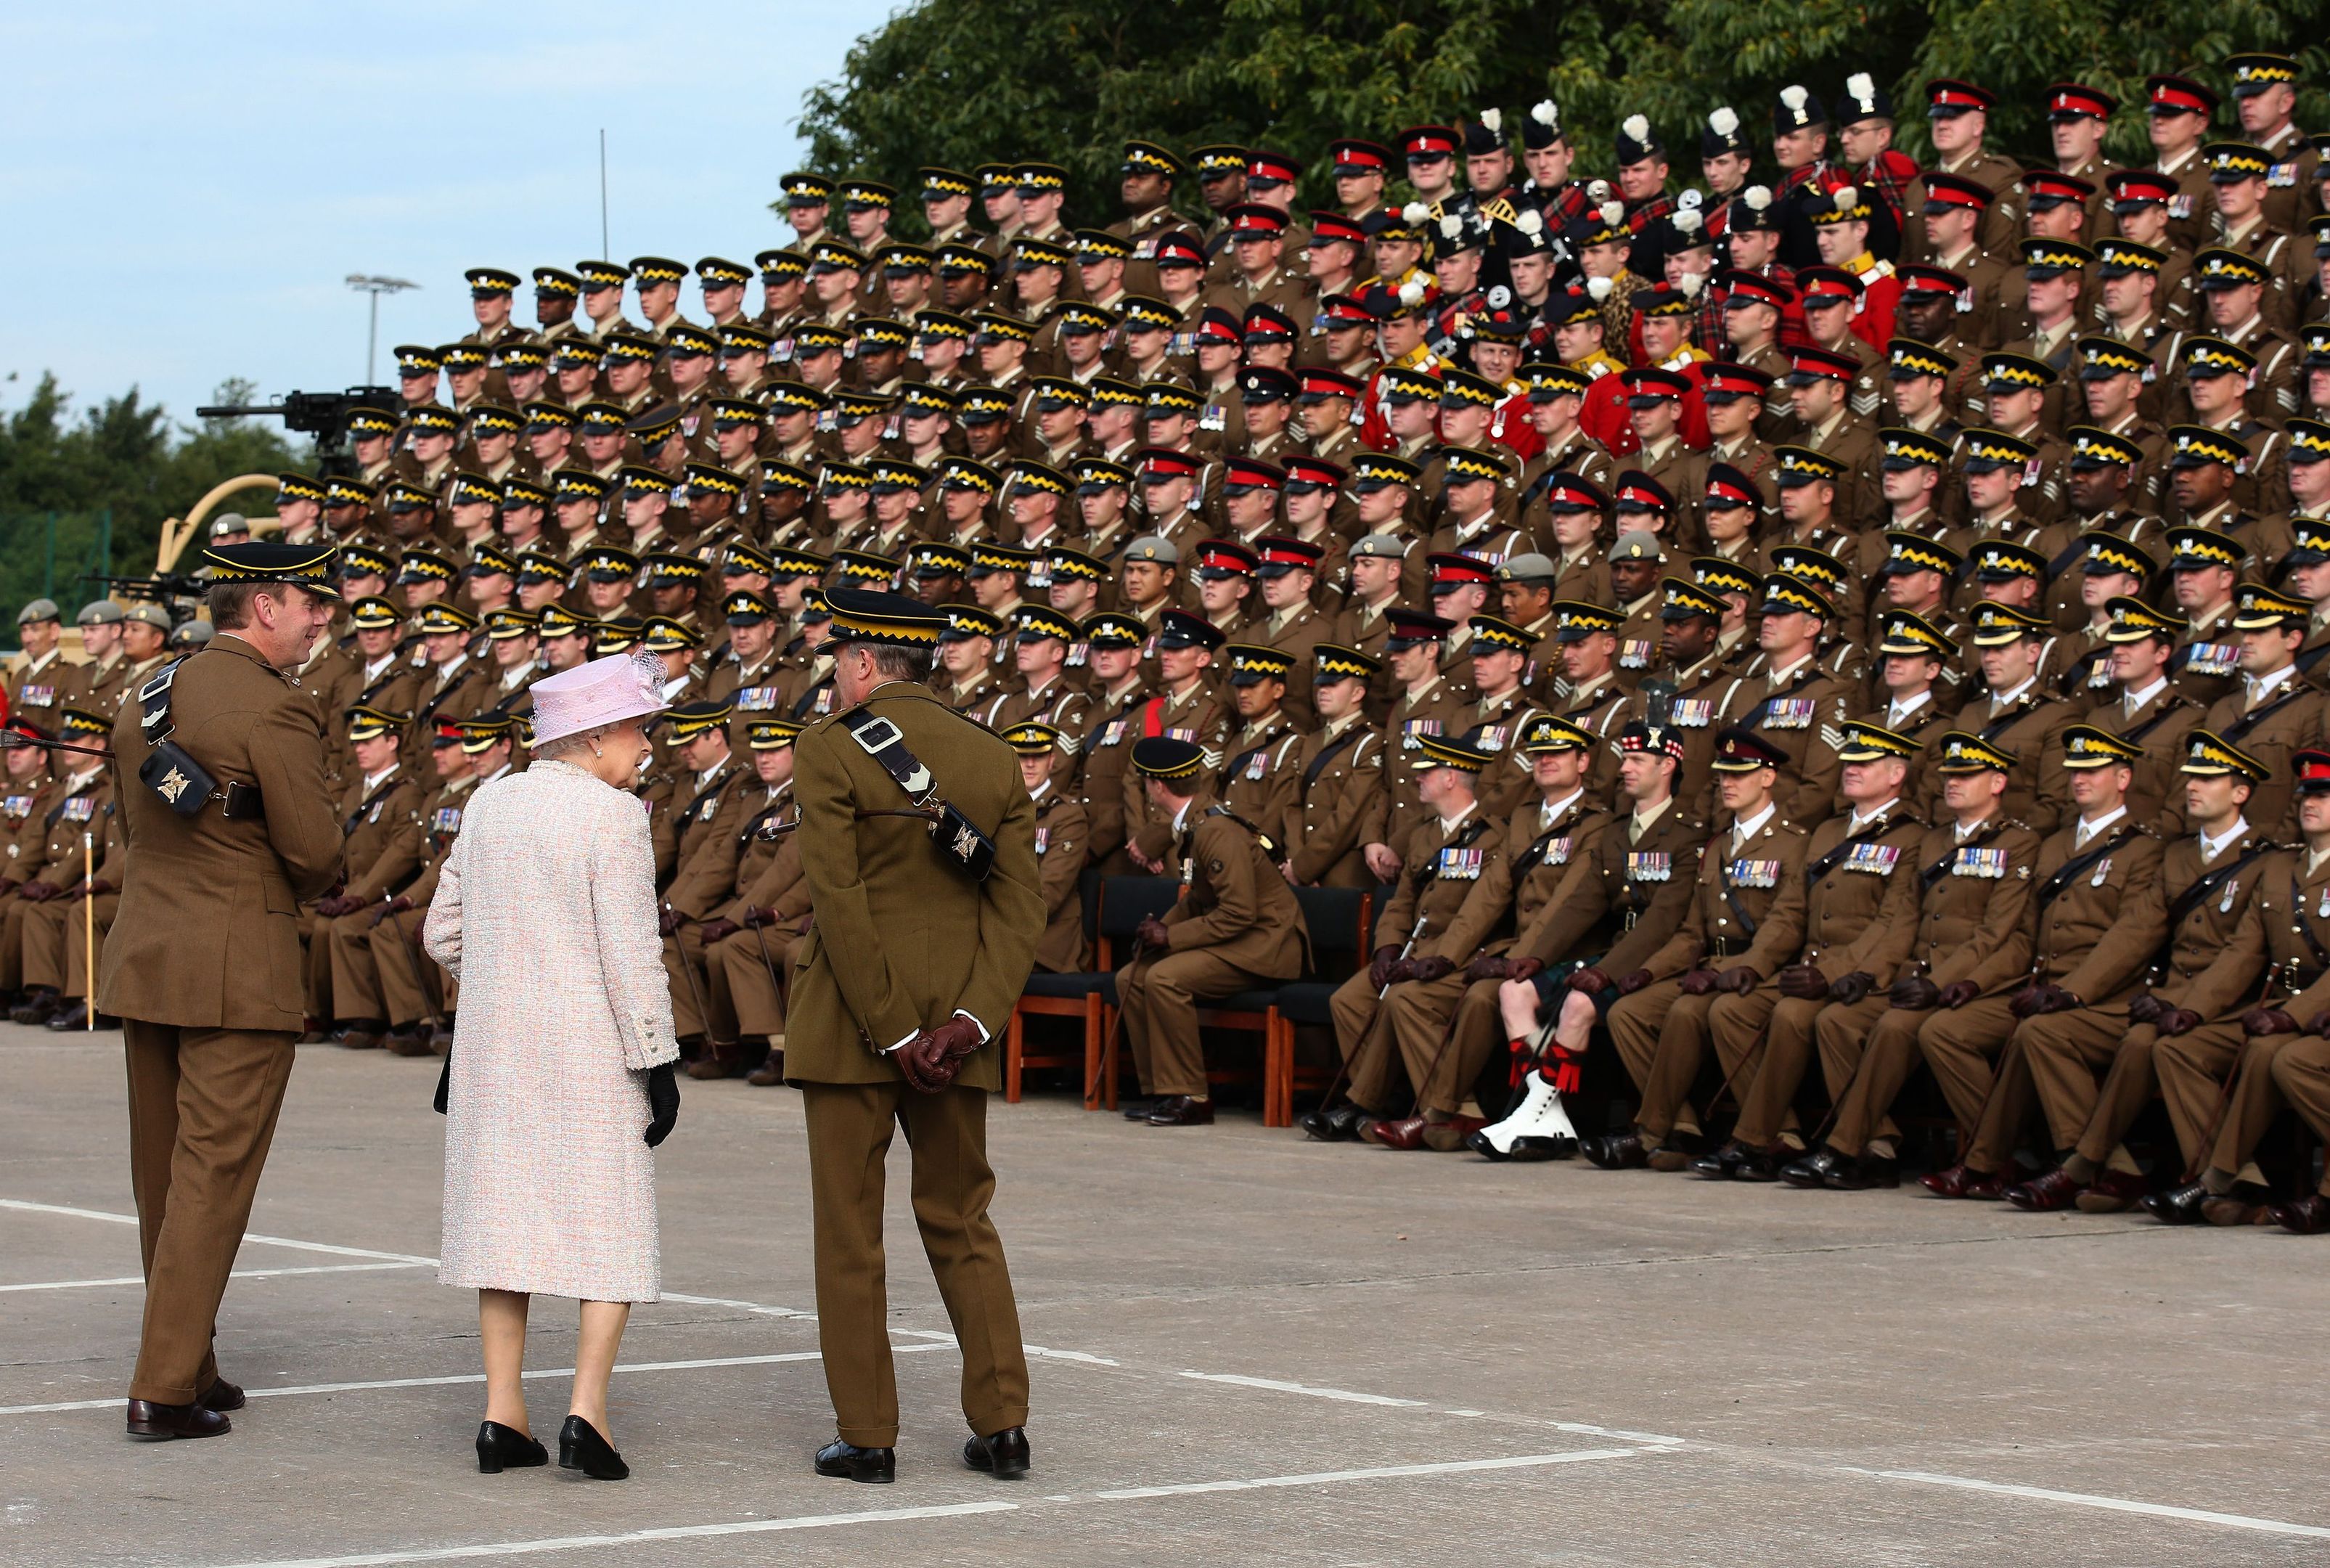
[[1740, 980], [1639, 980], [1696, 983], [1151, 932], [1803, 982], [1380, 967], [1431, 968], [931, 1060], [1958, 992], [712, 931], [1853, 987], [1915, 993], [1590, 979], [2268, 1021], [1524, 969], [1488, 968]]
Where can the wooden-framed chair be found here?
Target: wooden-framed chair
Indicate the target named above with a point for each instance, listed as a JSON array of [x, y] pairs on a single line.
[[1118, 906], [1056, 996], [1339, 920]]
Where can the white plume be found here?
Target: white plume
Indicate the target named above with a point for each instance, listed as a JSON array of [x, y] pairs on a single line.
[[1758, 197], [1597, 191], [1691, 199], [1493, 120], [1411, 293], [1723, 122], [1847, 198], [1637, 127], [1452, 225], [1544, 113], [1529, 221], [1859, 88], [1598, 287], [1687, 220], [1499, 296], [1415, 212], [1793, 97], [1691, 283], [1612, 213]]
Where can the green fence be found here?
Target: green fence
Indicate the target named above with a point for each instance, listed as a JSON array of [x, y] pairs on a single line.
[[44, 554]]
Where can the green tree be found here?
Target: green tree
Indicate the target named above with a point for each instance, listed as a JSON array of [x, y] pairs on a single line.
[[105, 481], [961, 82]]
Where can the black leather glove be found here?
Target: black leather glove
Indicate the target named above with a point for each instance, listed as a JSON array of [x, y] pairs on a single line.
[[2145, 1007], [1639, 980], [1803, 982], [1853, 987], [1958, 992], [2268, 1020], [1488, 968], [1380, 967], [663, 1102], [2036, 1000], [444, 1082], [1428, 968], [1698, 982], [1915, 993], [1740, 980], [2178, 1020]]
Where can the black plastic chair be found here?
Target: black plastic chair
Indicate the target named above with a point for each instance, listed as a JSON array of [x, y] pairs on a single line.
[[1339, 920], [1117, 907]]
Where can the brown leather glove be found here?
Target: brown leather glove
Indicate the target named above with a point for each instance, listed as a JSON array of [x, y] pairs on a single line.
[[1524, 969], [2268, 1020], [2178, 1020], [1488, 968], [1915, 993], [712, 931], [1740, 980], [1803, 982], [1958, 992], [920, 1065], [668, 923], [2145, 1007], [398, 904], [99, 889], [1590, 979], [1639, 980], [1851, 987], [1152, 932], [1380, 967], [1431, 968], [1698, 982], [2319, 1024], [38, 892]]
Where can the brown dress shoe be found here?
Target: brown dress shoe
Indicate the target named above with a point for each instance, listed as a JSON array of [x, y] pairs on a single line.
[[1667, 1157], [357, 1039], [2045, 1195], [408, 1042], [2112, 1193], [712, 1062], [151, 1422], [222, 1395], [1449, 1136], [1407, 1133], [2235, 1208], [1181, 1110], [1952, 1182], [2307, 1216], [770, 1073]]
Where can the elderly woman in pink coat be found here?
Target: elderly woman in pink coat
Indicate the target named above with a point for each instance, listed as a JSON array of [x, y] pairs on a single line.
[[560, 1082]]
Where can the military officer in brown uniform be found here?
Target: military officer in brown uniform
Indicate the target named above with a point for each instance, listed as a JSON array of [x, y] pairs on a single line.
[[1794, 705], [2275, 713], [2214, 954], [1237, 925], [748, 942], [899, 994], [2097, 921], [203, 965], [1858, 880], [706, 816], [1747, 919], [380, 819], [1062, 847], [2017, 715], [1338, 772], [1119, 691], [52, 865], [2147, 710], [1964, 934]]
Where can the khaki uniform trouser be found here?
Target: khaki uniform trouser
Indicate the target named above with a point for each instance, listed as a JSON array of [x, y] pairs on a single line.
[[1160, 997], [412, 985], [850, 1131], [50, 931], [2255, 1100], [1661, 1037], [744, 1000], [2301, 1071], [203, 1103]]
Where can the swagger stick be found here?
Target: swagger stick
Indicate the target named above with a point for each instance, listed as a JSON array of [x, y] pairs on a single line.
[[89, 927]]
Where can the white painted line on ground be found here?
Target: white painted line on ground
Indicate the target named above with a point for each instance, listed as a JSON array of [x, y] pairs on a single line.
[[634, 1537], [451, 1380], [1380, 1473], [249, 1237], [762, 1309], [237, 1274], [2089, 1500], [1344, 1395]]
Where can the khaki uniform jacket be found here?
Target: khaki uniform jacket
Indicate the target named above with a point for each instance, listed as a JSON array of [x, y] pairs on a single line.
[[902, 941], [1436, 879], [1063, 849], [2039, 790], [1533, 859], [1258, 781], [1235, 904], [769, 869], [1202, 716], [2291, 909], [1497, 727], [1766, 877], [2159, 727], [1441, 712], [55, 855], [1332, 802], [208, 933], [709, 822], [24, 825], [1108, 754], [1801, 716], [441, 825], [2215, 955], [2289, 720], [1967, 912], [1621, 900], [383, 833], [38, 694], [2096, 936], [1846, 905]]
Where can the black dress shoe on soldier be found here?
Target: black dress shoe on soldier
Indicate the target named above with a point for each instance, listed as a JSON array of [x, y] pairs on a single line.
[[848, 1462], [76, 1016], [501, 1448], [581, 1448], [1812, 1169], [2177, 1206], [40, 1005], [1138, 1109], [1002, 1455], [150, 1422], [222, 1395], [1338, 1125], [1723, 1165], [1764, 1164], [1860, 1174], [1617, 1152], [1182, 1111]]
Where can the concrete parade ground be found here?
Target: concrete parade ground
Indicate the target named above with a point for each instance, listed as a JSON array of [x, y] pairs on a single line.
[[1243, 1344]]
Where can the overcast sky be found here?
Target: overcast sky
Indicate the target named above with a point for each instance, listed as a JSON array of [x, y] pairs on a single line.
[[187, 186]]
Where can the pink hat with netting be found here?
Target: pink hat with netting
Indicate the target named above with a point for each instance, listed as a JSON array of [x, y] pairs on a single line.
[[603, 691]]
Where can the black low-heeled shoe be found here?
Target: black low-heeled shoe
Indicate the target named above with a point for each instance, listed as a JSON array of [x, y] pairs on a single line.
[[581, 1448], [501, 1448], [848, 1462]]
